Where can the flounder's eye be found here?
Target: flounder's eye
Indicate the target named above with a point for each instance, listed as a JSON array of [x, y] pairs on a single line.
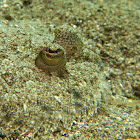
[[52, 58]]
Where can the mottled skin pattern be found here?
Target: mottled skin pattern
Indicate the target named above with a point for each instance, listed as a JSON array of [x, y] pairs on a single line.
[[70, 41]]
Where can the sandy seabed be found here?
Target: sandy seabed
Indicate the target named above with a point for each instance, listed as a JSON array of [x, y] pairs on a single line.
[[99, 97]]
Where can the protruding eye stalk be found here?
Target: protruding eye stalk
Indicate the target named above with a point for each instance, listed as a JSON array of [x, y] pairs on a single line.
[[51, 59]]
